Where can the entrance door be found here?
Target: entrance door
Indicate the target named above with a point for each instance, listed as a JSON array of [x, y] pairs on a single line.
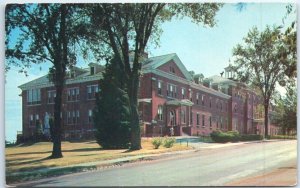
[[172, 118]]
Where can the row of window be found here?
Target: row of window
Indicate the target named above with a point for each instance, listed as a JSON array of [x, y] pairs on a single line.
[[172, 93], [34, 95], [73, 117]]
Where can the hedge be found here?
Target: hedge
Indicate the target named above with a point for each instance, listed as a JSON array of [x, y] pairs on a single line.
[[233, 136]]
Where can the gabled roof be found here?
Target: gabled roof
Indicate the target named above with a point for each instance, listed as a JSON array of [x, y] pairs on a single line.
[[155, 62]]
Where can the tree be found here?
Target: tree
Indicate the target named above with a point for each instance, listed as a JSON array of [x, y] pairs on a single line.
[[111, 114], [286, 110], [43, 33], [264, 61], [130, 27]]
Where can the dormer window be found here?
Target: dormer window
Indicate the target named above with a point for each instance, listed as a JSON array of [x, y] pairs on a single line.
[[92, 69]]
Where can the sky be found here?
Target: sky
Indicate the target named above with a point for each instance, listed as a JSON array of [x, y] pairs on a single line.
[[201, 49]]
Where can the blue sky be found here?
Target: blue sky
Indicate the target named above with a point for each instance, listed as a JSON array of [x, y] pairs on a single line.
[[201, 49]]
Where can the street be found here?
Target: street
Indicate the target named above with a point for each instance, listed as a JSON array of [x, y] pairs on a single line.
[[203, 167]]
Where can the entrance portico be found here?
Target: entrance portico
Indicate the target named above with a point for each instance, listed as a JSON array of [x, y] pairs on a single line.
[[177, 113]]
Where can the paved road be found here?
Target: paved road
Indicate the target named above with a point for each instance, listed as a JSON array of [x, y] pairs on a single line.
[[204, 167]]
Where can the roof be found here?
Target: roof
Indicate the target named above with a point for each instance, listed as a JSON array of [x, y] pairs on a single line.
[[43, 81], [221, 80], [155, 62]]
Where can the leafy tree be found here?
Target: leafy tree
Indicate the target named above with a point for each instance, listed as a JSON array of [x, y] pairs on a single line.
[[111, 114], [43, 33], [264, 60], [125, 27], [286, 110]]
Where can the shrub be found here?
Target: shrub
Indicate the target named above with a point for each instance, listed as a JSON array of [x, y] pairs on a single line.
[[250, 137], [169, 142], [223, 137], [156, 142], [233, 136]]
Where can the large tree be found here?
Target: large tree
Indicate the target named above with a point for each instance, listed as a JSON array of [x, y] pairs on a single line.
[[126, 27], [38, 33], [264, 60]]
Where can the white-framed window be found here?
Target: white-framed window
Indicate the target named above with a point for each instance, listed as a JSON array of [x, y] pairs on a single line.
[[92, 90], [191, 95], [69, 118], [203, 120], [33, 96], [202, 100], [171, 90], [172, 118], [197, 98], [73, 117], [73, 94], [198, 119], [159, 86], [183, 93], [160, 112], [51, 96], [31, 120], [77, 116], [90, 116]]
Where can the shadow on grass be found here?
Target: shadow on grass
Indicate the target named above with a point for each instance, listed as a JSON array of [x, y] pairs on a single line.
[[16, 162], [46, 172], [71, 150]]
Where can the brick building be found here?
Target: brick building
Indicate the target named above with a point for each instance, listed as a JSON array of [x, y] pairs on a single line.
[[170, 98]]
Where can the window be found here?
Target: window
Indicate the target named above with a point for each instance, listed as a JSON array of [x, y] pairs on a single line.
[[203, 120], [69, 119], [210, 124], [183, 92], [90, 116], [198, 119], [197, 98], [172, 70], [92, 90], [210, 102], [51, 96], [202, 99], [160, 112], [221, 107], [92, 70], [31, 120], [171, 91], [235, 107], [191, 95], [33, 96], [159, 86], [182, 116], [73, 117], [77, 116], [73, 94], [191, 118]]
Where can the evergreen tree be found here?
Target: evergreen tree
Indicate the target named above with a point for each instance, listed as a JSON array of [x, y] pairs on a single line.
[[112, 114]]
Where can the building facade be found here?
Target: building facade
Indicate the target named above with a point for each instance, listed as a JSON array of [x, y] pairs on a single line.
[[172, 101]]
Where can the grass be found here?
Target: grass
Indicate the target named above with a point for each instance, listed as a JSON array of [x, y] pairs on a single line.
[[28, 158]]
